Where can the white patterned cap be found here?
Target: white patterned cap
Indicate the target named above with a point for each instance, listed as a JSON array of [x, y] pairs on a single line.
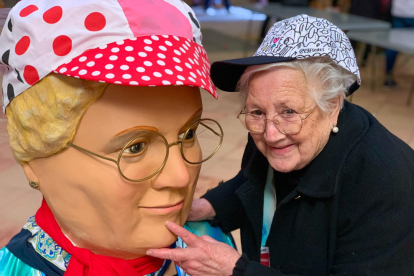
[[299, 37], [305, 36]]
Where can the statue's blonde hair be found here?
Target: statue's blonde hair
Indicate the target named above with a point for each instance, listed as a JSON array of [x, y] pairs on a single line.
[[44, 118]]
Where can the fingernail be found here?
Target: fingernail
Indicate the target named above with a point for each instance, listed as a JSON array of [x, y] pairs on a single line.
[[167, 223], [149, 252]]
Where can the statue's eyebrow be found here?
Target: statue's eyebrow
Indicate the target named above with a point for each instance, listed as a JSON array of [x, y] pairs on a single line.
[[150, 128], [196, 116], [120, 139]]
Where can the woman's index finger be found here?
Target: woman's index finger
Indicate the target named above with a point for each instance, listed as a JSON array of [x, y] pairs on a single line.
[[189, 238], [176, 255]]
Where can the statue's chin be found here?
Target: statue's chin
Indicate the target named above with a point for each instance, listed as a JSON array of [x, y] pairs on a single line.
[[133, 249]]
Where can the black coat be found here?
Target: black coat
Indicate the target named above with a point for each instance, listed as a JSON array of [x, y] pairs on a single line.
[[351, 214]]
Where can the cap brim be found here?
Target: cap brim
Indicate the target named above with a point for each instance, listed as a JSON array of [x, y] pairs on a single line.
[[226, 74], [352, 88], [157, 60]]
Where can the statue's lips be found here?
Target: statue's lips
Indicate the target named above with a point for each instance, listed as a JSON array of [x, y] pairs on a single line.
[[165, 208]]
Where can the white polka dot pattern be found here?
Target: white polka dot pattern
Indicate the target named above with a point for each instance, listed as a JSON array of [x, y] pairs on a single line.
[[38, 37], [148, 61]]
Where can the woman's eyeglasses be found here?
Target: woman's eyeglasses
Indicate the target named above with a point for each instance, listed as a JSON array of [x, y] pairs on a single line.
[[289, 123]]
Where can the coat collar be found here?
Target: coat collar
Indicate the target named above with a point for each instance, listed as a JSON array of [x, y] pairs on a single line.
[[322, 176]]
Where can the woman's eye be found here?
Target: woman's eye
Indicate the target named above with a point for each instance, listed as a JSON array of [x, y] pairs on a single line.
[[136, 148], [256, 112], [289, 111]]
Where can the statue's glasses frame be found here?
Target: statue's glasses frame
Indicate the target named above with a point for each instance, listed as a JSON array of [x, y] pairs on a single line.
[[218, 131]]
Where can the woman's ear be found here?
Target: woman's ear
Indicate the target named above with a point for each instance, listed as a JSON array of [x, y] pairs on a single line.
[[30, 174], [335, 112]]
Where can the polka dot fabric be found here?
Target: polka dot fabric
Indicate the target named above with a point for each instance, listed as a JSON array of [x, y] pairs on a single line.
[[156, 60], [44, 36]]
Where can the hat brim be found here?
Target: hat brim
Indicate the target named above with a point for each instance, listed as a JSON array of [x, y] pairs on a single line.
[[157, 60], [226, 74]]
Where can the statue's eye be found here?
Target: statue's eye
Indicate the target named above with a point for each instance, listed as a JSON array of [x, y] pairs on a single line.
[[136, 148], [189, 136]]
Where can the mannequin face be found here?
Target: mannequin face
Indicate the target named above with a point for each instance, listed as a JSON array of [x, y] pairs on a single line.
[[97, 208]]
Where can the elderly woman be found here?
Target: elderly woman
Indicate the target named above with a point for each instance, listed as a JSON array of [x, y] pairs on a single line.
[[324, 188], [104, 115]]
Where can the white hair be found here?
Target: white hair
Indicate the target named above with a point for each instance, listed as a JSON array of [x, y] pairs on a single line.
[[333, 79]]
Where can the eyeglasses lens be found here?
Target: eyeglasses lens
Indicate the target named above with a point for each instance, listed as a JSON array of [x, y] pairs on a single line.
[[290, 124], [143, 156], [201, 141]]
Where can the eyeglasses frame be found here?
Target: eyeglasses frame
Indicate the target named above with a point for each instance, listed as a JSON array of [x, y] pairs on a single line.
[[70, 144], [273, 120]]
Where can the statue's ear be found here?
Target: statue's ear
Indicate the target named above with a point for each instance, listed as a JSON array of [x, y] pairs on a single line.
[[30, 174]]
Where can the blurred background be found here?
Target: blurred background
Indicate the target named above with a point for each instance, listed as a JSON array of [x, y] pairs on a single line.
[[382, 39]]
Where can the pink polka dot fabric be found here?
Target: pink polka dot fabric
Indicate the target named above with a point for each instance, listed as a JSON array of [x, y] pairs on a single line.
[[140, 42], [155, 60]]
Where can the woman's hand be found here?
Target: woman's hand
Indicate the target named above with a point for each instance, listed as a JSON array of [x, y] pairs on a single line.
[[201, 209], [204, 256]]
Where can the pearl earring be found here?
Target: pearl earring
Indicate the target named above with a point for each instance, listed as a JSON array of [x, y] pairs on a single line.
[[335, 129], [34, 185]]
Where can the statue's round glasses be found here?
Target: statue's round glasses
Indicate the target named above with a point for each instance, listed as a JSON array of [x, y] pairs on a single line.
[[286, 123], [146, 154]]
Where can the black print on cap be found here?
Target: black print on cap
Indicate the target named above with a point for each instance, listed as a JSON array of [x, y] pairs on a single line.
[[18, 76], [10, 26], [305, 36], [5, 57], [10, 92], [194, 20]]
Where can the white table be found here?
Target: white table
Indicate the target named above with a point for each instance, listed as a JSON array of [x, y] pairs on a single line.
[[400, 40], [344, 21]]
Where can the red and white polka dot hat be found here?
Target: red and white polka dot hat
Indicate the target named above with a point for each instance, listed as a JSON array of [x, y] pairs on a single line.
[[141, 42]]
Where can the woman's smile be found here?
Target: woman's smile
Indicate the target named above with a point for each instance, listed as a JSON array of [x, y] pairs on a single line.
[[281, 150]]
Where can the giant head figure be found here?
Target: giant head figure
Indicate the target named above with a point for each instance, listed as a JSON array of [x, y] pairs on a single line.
[[104, 115]]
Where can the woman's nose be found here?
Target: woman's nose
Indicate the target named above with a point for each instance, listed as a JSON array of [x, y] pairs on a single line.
[[175, 173], [272, 133]]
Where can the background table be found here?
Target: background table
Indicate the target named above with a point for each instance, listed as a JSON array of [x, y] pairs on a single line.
[[344, 21], [400, 40]]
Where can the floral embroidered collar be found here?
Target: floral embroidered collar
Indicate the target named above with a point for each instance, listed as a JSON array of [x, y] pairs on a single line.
[[47, 248]]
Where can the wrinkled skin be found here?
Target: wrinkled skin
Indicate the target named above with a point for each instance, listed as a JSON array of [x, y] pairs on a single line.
[[203, 256], [275, 92]]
